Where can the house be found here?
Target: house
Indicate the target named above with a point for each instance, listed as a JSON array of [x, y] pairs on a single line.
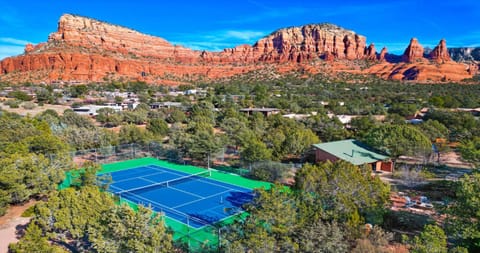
[[354, 152], [296, 116], [91, 110], [158, 105], [265, 111]]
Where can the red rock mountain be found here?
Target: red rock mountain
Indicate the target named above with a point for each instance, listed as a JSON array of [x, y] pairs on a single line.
[[84, 49], [440, 52], [414, 51]]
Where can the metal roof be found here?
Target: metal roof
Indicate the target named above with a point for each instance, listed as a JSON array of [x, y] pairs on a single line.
[[352, 151]]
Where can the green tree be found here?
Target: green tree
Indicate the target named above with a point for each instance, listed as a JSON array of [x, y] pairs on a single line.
[[322, 237], [374, 240], [254, 151], [431, 240], [86, 176], [20, 95], [288, 138], [88, 138], [463, 221], [70, 118], [24, 176], [345, 191], [270, 171], [157, 127], [74, 212], [403, 109], [176, 116], [470, 150], [461, 125], [135, 117], [399, 140], [44, 96], [132, 134], [109, 117], [179, 140], [34, 241], [434, 129], [271, 225], [125, 230], [234, 130], [203, 144], [361, 125], [203, 111], [327, 129], [78, 90]]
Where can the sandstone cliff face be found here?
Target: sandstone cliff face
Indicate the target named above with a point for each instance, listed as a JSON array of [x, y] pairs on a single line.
[[370, 52], [440, 52], [383, 53], [465, 54], [84, 49], [88, 33], [414, 51], [89, 50], [311, 42]]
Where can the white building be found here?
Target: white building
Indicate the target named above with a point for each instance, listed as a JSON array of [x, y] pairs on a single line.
[[91, 110]]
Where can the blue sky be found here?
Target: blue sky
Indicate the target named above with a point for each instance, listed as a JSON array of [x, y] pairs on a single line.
[[214, 25]]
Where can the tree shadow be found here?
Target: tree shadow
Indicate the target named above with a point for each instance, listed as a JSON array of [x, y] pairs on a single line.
[[20, 230]]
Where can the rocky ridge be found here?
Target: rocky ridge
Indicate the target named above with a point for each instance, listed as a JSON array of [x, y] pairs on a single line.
[[465, 54], [440, 52], [84, 49]]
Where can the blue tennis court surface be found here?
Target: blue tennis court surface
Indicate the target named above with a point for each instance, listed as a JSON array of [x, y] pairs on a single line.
[[196, 201]]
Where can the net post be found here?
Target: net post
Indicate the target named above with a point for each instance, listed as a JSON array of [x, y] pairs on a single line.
[[208, 161]]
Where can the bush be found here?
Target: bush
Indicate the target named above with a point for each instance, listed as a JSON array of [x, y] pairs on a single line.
[[412, 177], [29, 105], [269, 171], [29, 212], [20, 95], [12, 103]]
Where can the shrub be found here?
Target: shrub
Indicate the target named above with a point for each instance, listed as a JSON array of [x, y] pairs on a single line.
[[28, 105], [12, 103]]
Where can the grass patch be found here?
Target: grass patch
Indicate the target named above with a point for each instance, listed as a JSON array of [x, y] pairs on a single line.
[[29, 212]]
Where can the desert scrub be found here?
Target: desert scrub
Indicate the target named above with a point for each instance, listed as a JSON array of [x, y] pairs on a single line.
[[12, 103], [28, 105]]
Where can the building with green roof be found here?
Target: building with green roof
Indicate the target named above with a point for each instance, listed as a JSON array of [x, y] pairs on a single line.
[[354, 152]]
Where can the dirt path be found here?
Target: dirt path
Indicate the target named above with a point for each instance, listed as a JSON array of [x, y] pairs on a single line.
[[10, 223]]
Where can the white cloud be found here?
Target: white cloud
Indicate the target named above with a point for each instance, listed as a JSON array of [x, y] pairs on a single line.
[[12, 46], [14, 41], [244, 35], [465, 40], [217, 40], [9, 50], [200, 45]]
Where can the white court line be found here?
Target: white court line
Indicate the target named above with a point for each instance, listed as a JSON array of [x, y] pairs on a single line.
[[202, 198], [123, 180], [167, 170], [193, 194], [111, 186], [163, 207], [146, 179], [163, 169], [154, 173]]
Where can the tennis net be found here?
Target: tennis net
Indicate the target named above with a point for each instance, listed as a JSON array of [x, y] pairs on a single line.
[[168, 183]]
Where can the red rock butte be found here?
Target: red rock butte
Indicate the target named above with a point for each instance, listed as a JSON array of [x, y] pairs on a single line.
[[87, 50]]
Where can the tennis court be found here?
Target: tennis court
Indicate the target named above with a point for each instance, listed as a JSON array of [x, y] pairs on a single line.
[[195, 208], [193, 199]]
